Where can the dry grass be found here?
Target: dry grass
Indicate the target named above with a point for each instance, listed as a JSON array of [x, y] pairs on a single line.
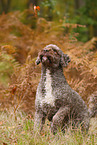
[[20, 132]]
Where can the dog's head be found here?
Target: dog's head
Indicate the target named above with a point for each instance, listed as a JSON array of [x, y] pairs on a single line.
[[52, 56]]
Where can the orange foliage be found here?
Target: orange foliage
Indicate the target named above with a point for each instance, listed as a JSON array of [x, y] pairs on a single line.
[[35, 9], [21, 41]]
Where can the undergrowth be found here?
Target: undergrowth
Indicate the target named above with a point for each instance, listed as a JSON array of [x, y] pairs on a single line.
[[20, 132]]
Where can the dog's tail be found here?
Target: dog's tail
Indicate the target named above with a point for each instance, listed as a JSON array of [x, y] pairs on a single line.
[[93, 104]]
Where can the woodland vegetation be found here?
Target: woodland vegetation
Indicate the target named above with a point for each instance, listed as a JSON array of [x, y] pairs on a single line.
[[26, 26]]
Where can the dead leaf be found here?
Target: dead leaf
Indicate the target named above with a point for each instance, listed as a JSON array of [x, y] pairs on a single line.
[[5, 143]]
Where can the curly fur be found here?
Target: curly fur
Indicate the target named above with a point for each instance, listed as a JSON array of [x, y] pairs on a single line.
[[55, 99], [93, 104]]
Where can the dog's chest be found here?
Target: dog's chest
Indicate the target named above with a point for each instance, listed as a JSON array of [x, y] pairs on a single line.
[[48, 97]]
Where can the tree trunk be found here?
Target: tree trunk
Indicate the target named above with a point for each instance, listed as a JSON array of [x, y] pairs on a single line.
[[5, 5], [34, 2], [79, 3]]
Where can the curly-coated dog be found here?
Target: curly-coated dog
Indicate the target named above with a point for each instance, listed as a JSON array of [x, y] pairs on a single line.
[[55, 99]]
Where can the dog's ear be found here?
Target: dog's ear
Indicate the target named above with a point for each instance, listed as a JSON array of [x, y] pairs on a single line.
[[65, 59], [37, 60]]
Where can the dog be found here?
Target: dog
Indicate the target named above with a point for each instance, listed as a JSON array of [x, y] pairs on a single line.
[[55, 99]]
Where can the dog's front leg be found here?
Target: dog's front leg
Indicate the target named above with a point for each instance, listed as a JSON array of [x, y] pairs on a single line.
[[58, 118], [39, 121]]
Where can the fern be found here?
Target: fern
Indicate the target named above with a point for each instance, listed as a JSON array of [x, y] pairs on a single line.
[[7, 65]]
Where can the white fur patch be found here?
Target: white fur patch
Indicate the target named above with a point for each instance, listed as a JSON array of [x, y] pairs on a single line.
[[49, 98]]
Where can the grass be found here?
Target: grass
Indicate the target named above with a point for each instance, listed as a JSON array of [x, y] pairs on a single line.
[[17, 129]]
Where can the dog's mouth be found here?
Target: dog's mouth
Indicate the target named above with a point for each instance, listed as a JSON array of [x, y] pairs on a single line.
[[45, 59]]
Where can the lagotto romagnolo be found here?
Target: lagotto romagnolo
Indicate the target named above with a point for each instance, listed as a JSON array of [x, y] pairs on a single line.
[[55, 99]]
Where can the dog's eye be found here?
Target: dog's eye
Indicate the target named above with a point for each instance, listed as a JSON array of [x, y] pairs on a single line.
[[56, 53]]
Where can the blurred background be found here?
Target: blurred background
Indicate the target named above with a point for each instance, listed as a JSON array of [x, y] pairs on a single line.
[[26, 26], [82, 12]]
